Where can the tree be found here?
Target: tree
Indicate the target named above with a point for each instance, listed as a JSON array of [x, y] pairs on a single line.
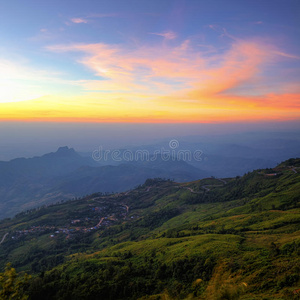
[[12, 284]]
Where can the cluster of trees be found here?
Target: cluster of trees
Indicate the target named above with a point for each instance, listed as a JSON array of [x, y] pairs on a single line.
[[125, 275], [126, 278], [13, 285]]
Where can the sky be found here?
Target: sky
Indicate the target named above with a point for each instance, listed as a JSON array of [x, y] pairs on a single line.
[[140, 61]]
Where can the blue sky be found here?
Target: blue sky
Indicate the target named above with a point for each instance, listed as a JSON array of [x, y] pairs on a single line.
[[67, 63], [55, 49]]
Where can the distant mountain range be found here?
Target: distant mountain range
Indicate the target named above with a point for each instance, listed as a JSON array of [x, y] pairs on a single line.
[[226, 155], [64, 174]]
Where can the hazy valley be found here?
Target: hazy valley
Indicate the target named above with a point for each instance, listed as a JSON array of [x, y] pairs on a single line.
[[26, 183]]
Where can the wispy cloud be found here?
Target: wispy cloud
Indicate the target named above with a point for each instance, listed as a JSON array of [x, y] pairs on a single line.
[[286, 55], [44, 34], [178, 68], [168, 35], [143, 68], [88, 18], [184, 82], [223, 32], [79, 20]]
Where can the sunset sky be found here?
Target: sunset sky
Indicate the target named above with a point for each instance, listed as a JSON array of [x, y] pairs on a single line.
[[159, 61]]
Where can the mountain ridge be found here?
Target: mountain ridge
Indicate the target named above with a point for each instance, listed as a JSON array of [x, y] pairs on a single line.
[[64, 174], [207, 239]]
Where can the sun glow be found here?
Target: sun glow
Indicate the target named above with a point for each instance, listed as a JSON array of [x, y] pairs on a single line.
[[164, 77]]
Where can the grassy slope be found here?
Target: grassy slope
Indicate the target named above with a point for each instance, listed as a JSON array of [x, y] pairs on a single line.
[[202, 240]]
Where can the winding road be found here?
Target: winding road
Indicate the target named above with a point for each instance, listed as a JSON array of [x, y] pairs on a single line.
[[192, 191], [222, 180], [127, 207], [101, 220], [5, 235], [206, 186], [294, 170]]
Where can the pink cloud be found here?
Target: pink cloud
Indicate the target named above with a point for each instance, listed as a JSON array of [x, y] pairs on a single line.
[[183, 75], [178, 67], [78, 20]]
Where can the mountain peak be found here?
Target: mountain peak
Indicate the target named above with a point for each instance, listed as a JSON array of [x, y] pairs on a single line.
[[65, 152], [65, 149]]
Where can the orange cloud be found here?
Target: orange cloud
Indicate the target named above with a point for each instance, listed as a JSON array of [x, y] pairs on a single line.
[[142, 68], [166, 83]]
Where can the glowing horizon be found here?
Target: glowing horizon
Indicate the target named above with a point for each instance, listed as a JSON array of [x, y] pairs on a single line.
[[170, 73]]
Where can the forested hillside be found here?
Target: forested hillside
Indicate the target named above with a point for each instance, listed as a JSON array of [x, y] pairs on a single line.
[[230, 238]]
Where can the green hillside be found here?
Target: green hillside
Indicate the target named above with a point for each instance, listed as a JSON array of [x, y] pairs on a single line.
[[232, 238]]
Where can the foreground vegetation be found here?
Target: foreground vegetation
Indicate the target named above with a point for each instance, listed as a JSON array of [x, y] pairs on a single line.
[[209, 239]]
